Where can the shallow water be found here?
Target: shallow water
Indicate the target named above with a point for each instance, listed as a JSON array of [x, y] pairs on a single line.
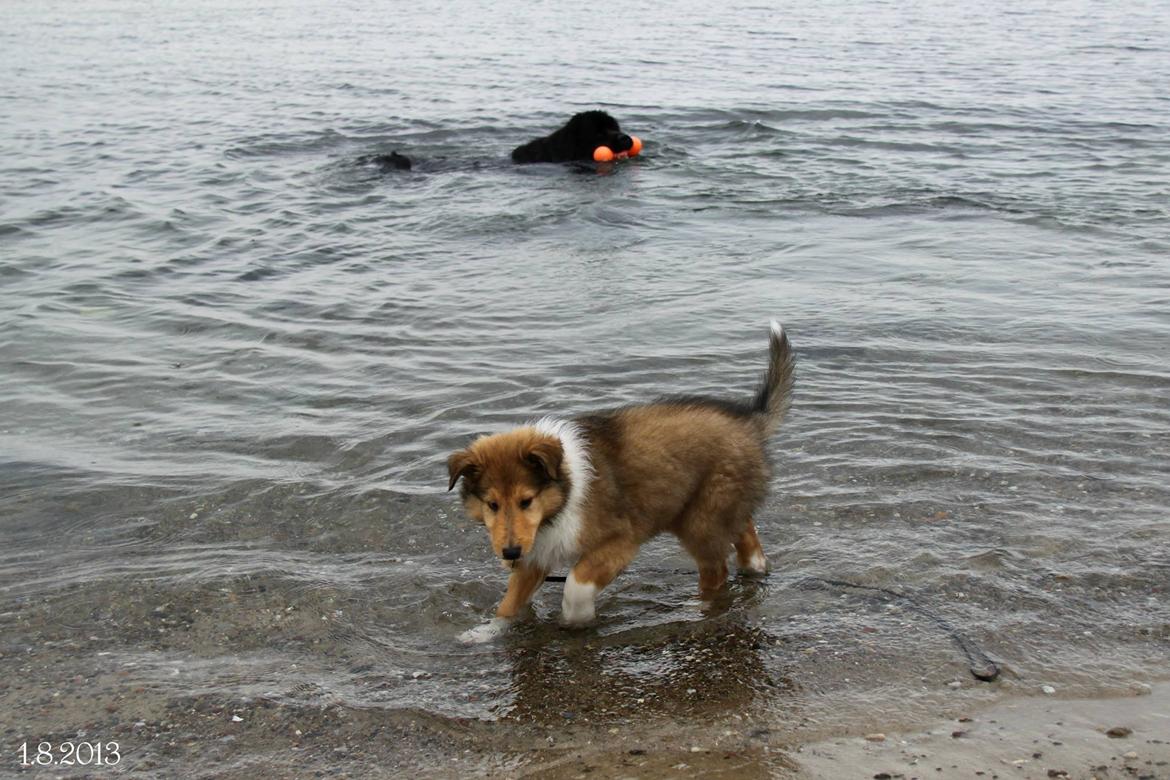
[[235, 357]]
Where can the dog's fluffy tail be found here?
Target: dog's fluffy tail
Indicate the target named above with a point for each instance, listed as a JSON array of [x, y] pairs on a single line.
[[775, 394]]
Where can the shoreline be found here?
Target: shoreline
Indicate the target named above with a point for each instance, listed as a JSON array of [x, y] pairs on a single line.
[[58, 693], [145, 667], [1019, 737]]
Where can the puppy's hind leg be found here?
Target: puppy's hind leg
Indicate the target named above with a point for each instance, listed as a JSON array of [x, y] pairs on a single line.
[[709, 547], [712, 576], [748, 552]]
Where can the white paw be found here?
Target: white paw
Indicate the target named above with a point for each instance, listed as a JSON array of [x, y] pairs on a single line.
[[757, 564], [485, 632], [577, 603]]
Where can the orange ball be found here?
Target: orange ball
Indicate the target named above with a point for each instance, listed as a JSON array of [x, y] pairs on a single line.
[[603, 154], [637, 147]]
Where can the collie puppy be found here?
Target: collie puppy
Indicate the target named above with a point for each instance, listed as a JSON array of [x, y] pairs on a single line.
[[587, 492]]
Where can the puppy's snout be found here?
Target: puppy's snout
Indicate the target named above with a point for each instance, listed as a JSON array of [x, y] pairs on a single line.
[[511, 553], [623, 143]]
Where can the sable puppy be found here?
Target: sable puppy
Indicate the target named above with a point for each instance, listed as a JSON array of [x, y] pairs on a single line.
[[578, 138], [588, 492]]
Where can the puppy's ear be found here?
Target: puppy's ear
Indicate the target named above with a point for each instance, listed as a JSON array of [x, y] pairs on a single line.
[[460, 464], [545, 456]]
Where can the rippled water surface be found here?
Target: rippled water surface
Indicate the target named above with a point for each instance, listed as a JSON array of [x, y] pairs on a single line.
[[235, 355]]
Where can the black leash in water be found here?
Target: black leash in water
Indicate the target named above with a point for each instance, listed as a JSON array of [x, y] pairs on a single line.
[[980, 666]]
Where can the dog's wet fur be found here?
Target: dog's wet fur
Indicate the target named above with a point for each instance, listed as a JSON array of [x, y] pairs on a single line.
[[587, 492], [574, 142], [390, 162]]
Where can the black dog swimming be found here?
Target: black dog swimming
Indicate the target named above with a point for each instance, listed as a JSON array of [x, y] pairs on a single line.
[[387, 162], [574, 142]]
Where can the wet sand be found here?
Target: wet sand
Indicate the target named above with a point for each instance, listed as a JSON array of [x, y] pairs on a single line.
[[1017, 738], [68, 689], [1036, 737], [249, 675], [253, 669]]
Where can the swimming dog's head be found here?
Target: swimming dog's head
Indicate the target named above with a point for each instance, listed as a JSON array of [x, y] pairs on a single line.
[[576, 140], [591, 129], [512, 482]]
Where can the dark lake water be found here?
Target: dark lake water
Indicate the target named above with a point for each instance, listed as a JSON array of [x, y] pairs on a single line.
[[235, 357]]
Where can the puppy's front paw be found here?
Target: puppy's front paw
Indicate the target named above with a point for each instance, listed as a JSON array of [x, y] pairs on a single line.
[[485, 632], [577, 603]]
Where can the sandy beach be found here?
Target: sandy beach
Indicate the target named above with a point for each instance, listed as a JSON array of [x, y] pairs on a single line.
[[68, 692]]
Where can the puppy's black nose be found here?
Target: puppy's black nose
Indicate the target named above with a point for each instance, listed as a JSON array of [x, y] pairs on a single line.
[[623, 143], [511, 553]]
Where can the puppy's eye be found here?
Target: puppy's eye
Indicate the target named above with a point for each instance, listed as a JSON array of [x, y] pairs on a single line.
[[525, 503], [494, 506]]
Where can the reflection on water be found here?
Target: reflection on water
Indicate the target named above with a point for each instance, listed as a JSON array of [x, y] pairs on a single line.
[[702, 668]]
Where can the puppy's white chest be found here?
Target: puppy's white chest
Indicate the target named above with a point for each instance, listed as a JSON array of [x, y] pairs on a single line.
[[556, 547]]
